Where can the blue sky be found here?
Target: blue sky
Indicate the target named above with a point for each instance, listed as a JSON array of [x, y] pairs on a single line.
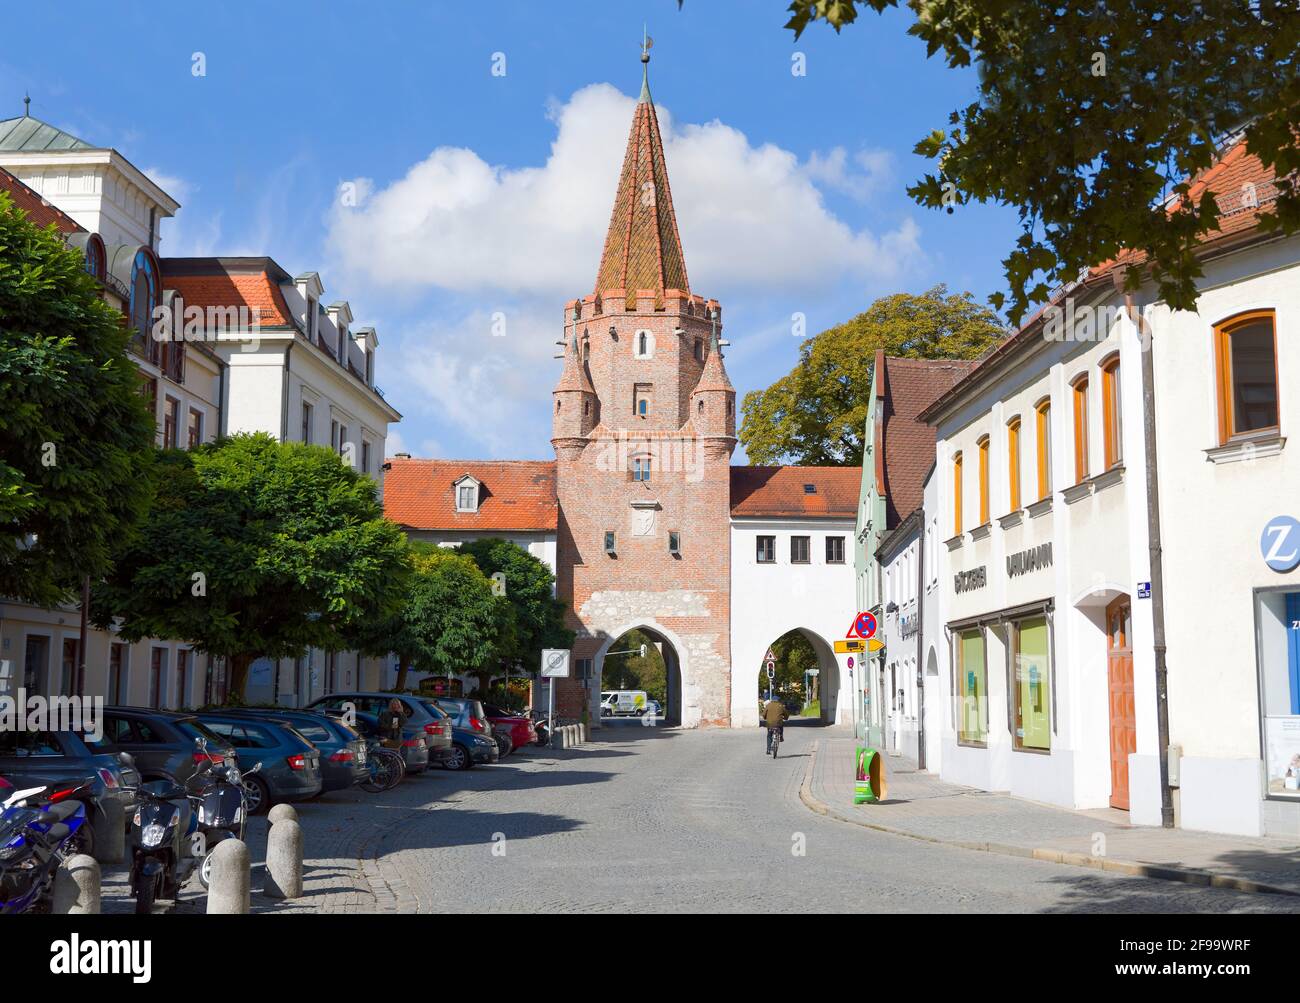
[[372, 143]]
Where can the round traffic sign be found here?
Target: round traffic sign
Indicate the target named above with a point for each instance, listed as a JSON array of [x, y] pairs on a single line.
[[865, 625]]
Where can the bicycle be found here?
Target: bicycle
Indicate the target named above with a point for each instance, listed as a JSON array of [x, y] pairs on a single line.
[[386, 769], [773, 740]]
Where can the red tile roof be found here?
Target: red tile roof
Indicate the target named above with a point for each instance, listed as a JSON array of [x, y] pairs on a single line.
[[779, 491], [210, 282], [910, 386], [515, 494], [39, 211]]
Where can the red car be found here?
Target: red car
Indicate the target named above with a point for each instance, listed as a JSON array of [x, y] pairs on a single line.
[[519, 727]]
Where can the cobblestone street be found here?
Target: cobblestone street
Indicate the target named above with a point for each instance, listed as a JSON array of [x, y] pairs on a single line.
[[650, 820]]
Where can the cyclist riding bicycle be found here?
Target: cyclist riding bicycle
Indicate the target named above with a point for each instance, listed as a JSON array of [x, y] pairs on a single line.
[[774, 715]]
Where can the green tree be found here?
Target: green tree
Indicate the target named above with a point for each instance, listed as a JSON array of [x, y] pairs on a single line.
[[816, 414], [1090, 116], [537, 617], [459, 624], [255, 548], [76, 440]]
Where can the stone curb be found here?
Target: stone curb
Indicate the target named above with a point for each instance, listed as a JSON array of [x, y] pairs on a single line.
[[1186, 875]]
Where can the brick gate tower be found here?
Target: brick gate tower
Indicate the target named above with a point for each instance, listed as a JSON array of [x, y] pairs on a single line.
[[644, 425]]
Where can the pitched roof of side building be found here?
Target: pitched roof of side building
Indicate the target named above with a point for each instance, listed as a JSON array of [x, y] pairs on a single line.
[[782, 492], [907, 388]]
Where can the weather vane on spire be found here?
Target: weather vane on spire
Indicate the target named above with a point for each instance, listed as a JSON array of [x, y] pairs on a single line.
[[647, 43]]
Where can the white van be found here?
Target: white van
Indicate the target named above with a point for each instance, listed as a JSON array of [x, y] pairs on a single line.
[[617, 703]]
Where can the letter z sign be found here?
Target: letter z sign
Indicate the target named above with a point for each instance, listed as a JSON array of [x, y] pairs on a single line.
[[1280, 544]]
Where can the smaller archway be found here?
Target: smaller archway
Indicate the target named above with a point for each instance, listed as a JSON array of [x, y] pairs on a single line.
[[805, 676]]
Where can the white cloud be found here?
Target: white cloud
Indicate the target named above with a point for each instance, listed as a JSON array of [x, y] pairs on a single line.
[[859, 176], [750, 216]]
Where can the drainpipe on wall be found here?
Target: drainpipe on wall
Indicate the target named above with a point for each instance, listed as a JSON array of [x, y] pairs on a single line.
[[920, 623], [284, 396], [1147, 347]]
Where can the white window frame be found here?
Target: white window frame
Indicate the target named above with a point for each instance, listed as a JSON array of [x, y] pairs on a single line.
[[649, 337], [461, 485]]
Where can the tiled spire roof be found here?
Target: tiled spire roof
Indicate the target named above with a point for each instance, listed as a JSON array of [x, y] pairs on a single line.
[[643, 249], [575, 375], [714, 376]]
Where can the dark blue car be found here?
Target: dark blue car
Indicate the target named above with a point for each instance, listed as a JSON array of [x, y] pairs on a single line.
[[342, 750], [290, 764]]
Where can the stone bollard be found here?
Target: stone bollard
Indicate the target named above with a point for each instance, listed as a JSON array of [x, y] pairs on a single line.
[[76, 887], [575, 735], [229, 880], [584, 732], [284, 861], [282, 813], [110, 833]]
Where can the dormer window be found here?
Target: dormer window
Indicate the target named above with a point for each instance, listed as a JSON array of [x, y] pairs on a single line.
[[467, 494]]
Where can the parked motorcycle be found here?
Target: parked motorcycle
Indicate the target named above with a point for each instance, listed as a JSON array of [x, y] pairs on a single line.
[[162, 841], [222, 808], [36, 834]]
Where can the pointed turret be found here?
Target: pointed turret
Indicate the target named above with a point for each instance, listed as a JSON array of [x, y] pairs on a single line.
[[643, 250], [713, 402], [575, 401]]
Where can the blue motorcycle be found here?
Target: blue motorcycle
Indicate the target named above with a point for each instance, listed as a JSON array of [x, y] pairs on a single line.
[[38, 829]]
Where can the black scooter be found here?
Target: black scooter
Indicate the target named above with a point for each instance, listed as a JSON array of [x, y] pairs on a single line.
[[222, 809]]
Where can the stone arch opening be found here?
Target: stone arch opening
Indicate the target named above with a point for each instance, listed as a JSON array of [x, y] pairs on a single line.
[[805, 670], [619, 666]]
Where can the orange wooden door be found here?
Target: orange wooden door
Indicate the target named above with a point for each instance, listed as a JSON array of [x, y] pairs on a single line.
[[1123, 714]]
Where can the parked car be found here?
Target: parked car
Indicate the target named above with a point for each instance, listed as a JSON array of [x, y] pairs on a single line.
[[342, 750], [471, 744], [161, 743], [520, 727], [63, 759], [415, 754], [290, 764], [421, 721]]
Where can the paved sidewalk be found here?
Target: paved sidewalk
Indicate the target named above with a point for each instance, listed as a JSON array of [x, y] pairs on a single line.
[[920, 805]]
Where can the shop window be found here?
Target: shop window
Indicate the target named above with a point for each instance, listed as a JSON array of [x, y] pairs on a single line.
[[1043, 414], [1277, 614], [972, 688], [983, 446], [1079, 395], [1246, 350], [956, 495], [1113, 450], [1013, 462], [1032, 662]]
